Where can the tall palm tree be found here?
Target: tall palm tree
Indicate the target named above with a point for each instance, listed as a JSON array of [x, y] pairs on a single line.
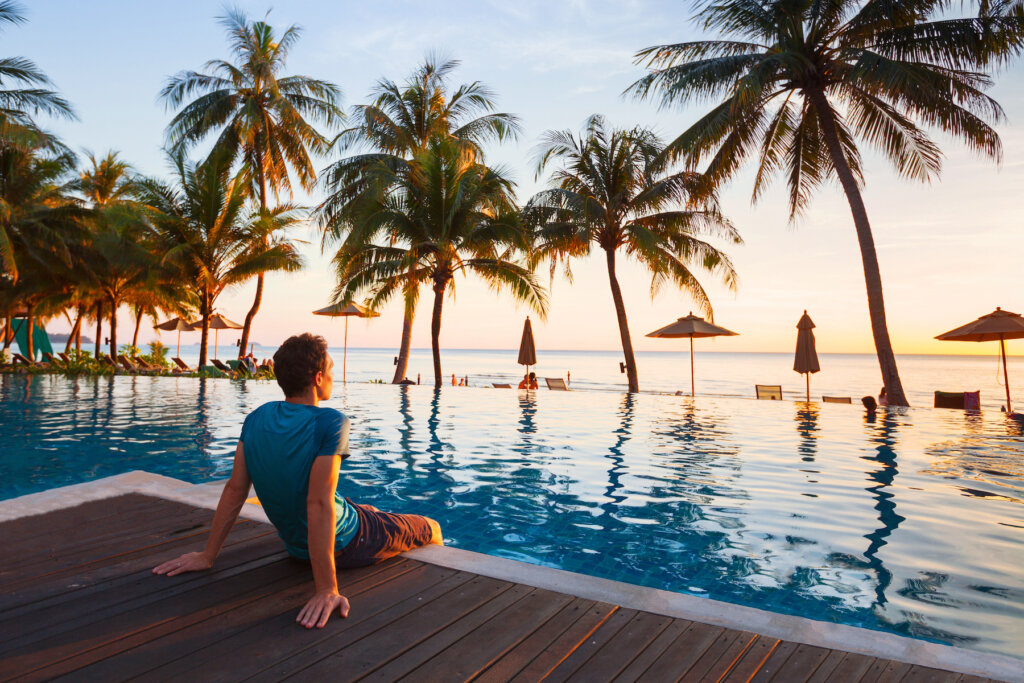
[[398, 123], [24, 90], [205, 230], [439, 214], [800, 83], [257, 113], [615, 189]]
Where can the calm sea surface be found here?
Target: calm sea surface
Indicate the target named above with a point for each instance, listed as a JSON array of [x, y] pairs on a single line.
[[909, 522], [717, 374]]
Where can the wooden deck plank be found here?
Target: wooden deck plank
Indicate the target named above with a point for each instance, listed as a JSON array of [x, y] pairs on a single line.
[[683, 653], [69, 522], [559, 634], [796, 660], [593, 644], [655, 649], [885, 671], [634, 637], [720, 657], [923, 674], [169, 641], [277, 640], [470, 645], [850, 668], [825, 669], [751, 661]]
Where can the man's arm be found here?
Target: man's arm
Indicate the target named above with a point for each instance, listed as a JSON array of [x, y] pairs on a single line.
[[232, 498], [323, 480]]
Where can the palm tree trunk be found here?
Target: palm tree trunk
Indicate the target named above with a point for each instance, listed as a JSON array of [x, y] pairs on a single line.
[[620, 314], [78, 337], [243, 343], [30, 322], [205, 337], [113, 328], [872, 274], [435, 329], [403, 350], [138, 323], [8, 330], [99, 328], [76, 330]]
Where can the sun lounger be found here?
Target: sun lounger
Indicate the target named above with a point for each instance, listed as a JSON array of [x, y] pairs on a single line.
[[181, 365], [220, 366], [144, 365], [22, 360], [959, 400], [48, 357], [502, 386], [213, 371], [127, 364], [836, 399], [768, 392], [64, 357], [108, 361], [556, 384]]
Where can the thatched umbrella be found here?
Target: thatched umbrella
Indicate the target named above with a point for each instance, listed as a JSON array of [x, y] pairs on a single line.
[[999, 325], [176, 324], [527, 349], [217, 323], [806, 360], [346, 311], [691, 326]]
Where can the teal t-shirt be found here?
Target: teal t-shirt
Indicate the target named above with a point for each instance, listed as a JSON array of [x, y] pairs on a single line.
[[280, 441]]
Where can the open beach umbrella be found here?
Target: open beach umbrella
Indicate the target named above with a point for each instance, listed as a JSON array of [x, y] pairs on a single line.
[[999, 325], [527, 349], [691, 326], [217, 323], [346, 311], [806, 360], [176, 324]]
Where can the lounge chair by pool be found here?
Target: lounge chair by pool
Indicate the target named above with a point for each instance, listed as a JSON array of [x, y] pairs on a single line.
[[22, 360], [556, 384], [768, 392], [64, 357], [502, 386], [959, 400], [220, 366], [836, 399], [182, 365]]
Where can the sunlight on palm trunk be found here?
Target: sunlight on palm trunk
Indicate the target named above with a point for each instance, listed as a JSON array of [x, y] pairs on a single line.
[[620, 315], [403, 351]]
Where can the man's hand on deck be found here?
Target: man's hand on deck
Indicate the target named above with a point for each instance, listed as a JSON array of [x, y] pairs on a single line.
[[319, 608], [189, 562]]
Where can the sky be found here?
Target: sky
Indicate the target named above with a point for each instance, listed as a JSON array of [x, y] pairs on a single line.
[[949, 251]]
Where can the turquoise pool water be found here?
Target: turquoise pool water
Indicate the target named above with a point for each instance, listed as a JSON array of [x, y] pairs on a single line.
[[909, 523]]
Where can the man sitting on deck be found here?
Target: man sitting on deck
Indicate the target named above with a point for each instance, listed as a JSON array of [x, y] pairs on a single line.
[[290, 451]]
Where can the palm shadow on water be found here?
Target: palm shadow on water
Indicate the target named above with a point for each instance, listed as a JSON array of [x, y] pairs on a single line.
[[883, 436]]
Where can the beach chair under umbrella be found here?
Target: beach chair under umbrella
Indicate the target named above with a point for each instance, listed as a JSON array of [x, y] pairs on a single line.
[[176, 324], [527, 349], [691, 326], [346, 311], [217, 323], [999, 325], [806, 360]]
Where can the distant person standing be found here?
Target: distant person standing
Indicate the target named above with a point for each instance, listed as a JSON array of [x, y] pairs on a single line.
[[883, 400]]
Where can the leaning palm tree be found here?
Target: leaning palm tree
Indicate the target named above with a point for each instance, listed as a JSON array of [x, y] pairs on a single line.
[[439, 214], [206, 232], [30, 94], [616, 190], [398, 123], [799, 83], [257, 114]]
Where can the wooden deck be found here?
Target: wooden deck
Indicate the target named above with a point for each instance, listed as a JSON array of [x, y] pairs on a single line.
[[78, 601]]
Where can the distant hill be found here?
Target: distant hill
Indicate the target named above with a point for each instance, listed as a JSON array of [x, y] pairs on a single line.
[[61, 338]]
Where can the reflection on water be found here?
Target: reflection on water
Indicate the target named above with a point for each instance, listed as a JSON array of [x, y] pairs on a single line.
[[908, 521]]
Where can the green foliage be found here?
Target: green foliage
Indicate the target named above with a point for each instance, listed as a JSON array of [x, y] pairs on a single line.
[[157, 354]]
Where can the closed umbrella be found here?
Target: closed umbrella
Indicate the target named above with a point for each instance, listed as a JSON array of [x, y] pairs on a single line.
[[999, 325], [527, 349], [346, 311], [176, 324], [806, 360], [691, 326], [217, 323]]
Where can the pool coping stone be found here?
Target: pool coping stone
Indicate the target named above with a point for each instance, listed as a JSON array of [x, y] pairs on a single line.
[[667, 603]]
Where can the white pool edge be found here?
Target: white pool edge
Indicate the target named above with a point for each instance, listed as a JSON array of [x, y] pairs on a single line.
[[677, 605]]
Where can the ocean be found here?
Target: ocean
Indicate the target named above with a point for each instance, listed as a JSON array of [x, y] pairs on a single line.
[[717, 373]]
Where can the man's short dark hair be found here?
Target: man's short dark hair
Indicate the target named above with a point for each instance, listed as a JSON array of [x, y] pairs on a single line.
[[298, 360]]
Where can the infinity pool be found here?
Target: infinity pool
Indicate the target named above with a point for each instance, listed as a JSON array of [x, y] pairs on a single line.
[[909, 523]]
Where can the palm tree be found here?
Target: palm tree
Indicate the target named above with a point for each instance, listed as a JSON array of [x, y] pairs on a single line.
[[205, 231], [30, 95], [441, 213], [800, 83], [258, 114], [400, 122], [616, 189]]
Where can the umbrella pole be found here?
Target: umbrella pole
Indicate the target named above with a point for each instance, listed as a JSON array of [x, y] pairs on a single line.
[[216, 342], [344, 357], [808, 376], [178, 352], [1006, 375], [693, 391]]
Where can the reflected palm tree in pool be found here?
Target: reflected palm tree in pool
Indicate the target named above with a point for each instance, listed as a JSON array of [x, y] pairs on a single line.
[[617, 460], [882, 433]]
